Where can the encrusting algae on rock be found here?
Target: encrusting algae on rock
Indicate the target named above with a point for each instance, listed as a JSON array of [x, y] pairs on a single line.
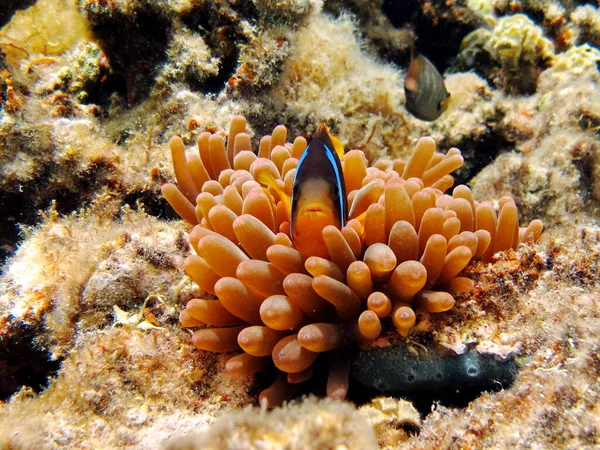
[[401, 251]]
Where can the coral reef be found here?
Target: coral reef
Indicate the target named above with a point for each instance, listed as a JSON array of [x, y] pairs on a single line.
[[160, 384], [517, 45], [404, 254], [58, 291], [90, 347], [550, 134], [347, 99], [557, 142], [49, 27], [554, 400], [310, 424], [586, 21], [394, 420]]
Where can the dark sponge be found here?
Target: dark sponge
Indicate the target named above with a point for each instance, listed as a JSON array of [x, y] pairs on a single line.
[[393, 370]]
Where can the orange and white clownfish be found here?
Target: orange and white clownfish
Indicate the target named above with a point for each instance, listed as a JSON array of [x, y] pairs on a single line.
[[319, 194]]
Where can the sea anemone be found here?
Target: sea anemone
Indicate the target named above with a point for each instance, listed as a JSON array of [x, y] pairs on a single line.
[[401, 251]]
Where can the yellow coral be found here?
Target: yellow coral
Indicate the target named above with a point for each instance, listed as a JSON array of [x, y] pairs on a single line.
[[576, 60], [482, 8], [517, 38], [391, 419], [400, 252], [517, 44], [49, 27]]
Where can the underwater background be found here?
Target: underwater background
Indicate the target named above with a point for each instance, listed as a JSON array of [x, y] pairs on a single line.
[[92, 351]]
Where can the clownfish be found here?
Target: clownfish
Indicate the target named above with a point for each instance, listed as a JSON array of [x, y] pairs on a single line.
[[426, 94], [319, 194]]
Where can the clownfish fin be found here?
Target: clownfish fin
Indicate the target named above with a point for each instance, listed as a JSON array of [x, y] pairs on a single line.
[[338, 147], [361, 219], [268, 180]]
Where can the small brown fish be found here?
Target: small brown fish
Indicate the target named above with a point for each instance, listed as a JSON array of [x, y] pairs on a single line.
[[426, 94]]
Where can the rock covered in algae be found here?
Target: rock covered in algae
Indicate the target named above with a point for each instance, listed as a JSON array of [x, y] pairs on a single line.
[[98, 296], [318, 84], [72, 271], [517, 45], [586, 20], [553, 401], [121, 388], [49, 27], [394, 420], [555, 165], [309, 424]]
